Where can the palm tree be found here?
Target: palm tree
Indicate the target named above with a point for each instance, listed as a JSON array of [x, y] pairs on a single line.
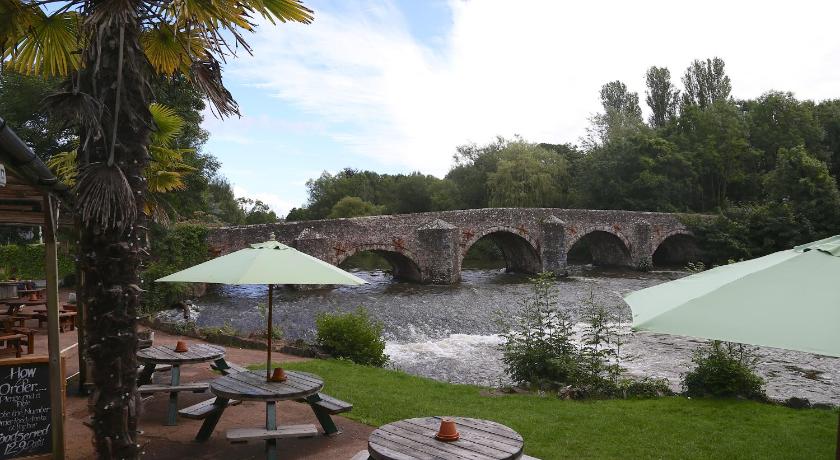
[[110, 50], [166, 169]]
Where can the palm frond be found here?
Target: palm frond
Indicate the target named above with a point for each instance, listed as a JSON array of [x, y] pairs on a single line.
[[207, 77], [169, 50], [104, 199], [75, 107], [168, 125], [282, 10], [50, 45], [64, 167], [16, 19]]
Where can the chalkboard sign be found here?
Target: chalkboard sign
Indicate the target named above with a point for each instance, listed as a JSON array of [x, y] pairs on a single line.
[[25, 420]]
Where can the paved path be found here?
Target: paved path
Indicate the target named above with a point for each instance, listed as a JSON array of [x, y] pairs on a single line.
[[162, 442]]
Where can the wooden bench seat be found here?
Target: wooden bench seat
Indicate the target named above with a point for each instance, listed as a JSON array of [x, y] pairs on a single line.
[[15, 340], [198, 387], [65, 319], [329, 404], [30, 338], [527, 457], [361, 455], [203, 409], [261, 434]]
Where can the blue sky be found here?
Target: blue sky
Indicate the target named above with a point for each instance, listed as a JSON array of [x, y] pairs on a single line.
[[395, 86]]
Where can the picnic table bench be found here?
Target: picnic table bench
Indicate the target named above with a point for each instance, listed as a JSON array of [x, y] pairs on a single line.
[[252, 386], [166, 355], [322, 404], [14, 340], [65, 319]]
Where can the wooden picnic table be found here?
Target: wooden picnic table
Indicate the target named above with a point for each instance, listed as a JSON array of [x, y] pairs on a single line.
[[166, 354], [415, 439], [252, 386], [16, 304]]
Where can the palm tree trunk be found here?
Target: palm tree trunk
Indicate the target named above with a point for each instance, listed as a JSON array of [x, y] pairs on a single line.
[[110, 256]]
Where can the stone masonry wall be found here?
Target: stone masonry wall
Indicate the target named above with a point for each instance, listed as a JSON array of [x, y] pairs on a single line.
[[429, 247]]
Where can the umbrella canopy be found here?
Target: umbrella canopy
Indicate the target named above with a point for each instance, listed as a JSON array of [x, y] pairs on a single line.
[[788, 299], [268, 263]]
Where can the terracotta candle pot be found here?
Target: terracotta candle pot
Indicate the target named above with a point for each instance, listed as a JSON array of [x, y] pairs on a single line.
[[448, 431], [181, 346], [279, 375]]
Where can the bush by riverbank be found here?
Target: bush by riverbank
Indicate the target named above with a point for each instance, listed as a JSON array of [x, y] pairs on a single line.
[[671, 427]]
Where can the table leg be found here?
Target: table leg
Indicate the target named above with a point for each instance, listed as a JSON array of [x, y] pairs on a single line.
[[172, 415], [210, 422], [145, 376], [270, 424], [323, 416]]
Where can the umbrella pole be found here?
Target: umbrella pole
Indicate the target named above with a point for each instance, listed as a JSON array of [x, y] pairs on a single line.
[[270, 330]]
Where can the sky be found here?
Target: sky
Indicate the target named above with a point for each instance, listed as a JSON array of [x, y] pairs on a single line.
[[396, 85]]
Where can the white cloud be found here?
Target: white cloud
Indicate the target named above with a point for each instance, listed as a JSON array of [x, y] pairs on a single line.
[[279, 205], [528, 67]]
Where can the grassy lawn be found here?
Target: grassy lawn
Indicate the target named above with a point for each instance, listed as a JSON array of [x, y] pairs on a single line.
[[673, 427]]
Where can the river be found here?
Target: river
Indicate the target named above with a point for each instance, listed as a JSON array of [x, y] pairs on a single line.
[[448, 333]]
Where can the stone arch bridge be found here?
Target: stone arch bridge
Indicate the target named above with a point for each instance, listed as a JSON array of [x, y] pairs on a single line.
[[430, 247]]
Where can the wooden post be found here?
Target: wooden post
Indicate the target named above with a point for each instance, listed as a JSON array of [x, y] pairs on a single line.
[[53, 346], [81, 315], [270, 330]]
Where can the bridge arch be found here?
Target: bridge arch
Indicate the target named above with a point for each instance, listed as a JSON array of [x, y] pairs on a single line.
[[520, 251], [674, 248], [600, 245], [403, 263]]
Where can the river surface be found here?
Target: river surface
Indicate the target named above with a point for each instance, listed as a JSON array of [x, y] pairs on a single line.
[[449, 333]]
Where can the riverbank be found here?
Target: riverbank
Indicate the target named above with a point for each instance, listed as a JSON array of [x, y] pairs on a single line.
[[450, 333]]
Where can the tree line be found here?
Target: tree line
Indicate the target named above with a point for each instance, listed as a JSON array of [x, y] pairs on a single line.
[[766, 167]]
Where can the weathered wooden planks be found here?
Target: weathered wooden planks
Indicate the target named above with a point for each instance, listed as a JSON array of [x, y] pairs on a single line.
[[260, 434], [204, 409], [166, 354], [198, 387], [252, 386], [414, 439]]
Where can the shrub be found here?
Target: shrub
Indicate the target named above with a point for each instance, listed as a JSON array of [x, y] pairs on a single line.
[[354, 336], [540, 349], [724, 370]]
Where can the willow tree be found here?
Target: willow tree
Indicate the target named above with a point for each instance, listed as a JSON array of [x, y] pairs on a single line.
[[109, 50]]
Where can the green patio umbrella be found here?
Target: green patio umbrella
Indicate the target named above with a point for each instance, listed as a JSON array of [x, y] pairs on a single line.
[[788, 299], [268, 263]]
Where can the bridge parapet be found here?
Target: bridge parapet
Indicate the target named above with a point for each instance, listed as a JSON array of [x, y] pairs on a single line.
[[430, 247]]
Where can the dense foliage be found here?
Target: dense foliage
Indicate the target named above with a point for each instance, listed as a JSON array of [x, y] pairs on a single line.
[[724, 370], [354, 336], [26, 261], [180, 247], [543, 349], [769, 165]]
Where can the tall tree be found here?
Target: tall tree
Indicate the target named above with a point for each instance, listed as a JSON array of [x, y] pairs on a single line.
[[706, 82], [622, 115], [778, 120], [529, 176], [662, 96], [20, 105], [110, 50], [828, 114]]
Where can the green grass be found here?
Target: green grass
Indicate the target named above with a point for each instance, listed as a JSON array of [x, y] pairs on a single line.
[[673, 427]]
